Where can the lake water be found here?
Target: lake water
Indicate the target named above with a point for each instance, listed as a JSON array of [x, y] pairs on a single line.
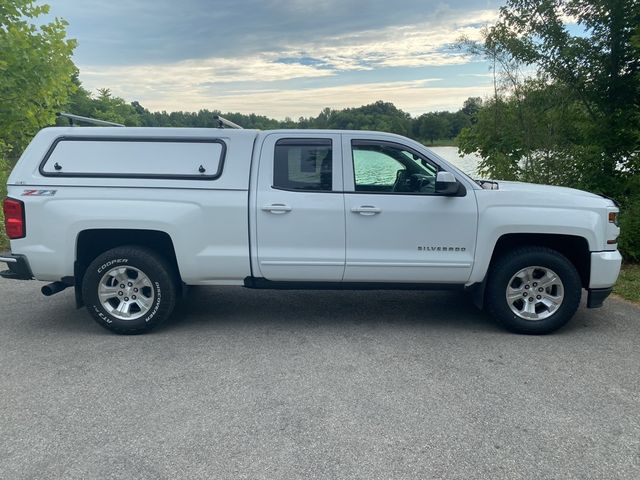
[[468, 163]]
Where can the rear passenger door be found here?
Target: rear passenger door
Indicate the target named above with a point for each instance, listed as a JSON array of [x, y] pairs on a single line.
[[300, 224]]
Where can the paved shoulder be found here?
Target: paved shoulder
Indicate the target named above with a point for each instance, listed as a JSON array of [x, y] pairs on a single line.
[[252, 384]]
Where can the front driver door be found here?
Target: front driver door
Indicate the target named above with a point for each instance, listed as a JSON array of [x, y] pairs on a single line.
[[398, 228]]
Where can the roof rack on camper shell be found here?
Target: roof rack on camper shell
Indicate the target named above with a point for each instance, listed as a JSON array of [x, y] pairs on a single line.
[[222, 122], [93, 121]]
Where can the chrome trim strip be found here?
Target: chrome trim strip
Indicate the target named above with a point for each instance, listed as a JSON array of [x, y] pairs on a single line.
[[8, 260], [301, 263], [409, 264]]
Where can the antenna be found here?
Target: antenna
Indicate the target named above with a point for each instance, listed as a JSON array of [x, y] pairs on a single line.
[[223, 122], [93, 121]]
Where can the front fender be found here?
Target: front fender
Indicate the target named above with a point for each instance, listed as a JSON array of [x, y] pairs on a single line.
[[497, 221]]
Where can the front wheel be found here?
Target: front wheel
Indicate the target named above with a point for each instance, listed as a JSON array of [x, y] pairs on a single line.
[[533, 290], [129, 290]]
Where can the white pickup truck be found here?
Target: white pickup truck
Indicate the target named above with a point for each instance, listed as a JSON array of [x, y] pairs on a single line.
[[131, 216]]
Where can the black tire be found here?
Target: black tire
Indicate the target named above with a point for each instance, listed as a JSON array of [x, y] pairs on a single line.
[[161, 294], [513, 262]]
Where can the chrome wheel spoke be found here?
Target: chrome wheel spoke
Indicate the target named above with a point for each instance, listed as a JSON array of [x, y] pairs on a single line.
[[549, 280], [531, 309], [107, 293], [143, 302], [142, 282], [522, 275], [514, 294], [120, 274], [123, 308], [550, 303]]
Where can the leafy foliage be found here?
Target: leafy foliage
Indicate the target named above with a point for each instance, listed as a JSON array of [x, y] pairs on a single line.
[[35, 71], [576, 120]]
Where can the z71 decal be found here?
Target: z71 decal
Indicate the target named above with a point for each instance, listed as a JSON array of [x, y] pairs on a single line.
[[39, 193]]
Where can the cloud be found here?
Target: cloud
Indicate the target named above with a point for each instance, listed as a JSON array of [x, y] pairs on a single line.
[[277, 57], [214, 82], [415, 97], [193, 74], [118, 32], [416, 45]]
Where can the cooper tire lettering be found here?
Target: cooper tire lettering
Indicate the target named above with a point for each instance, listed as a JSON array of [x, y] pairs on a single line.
[[112, 262]]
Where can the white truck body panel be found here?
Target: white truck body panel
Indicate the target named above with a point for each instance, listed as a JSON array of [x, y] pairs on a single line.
[[239, 225]]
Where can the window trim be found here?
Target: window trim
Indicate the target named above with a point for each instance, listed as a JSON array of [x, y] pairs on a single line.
[[302, 141], [149, 176]]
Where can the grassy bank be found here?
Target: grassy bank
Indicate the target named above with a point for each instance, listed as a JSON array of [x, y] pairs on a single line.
[[628, 286], [445, 142]]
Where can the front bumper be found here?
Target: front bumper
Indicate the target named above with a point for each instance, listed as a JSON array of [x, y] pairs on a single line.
[[19, 268], [605, 268]]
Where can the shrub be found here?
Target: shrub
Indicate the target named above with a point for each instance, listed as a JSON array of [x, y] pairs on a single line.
[[630, 228]]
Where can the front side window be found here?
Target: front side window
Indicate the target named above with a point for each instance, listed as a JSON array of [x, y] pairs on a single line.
[[390, 168], [303, 164]]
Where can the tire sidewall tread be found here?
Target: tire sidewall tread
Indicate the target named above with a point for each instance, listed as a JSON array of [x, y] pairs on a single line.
[[510, 263], [153, 265]]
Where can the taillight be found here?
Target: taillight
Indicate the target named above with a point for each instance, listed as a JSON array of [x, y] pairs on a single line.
[[14, 223]]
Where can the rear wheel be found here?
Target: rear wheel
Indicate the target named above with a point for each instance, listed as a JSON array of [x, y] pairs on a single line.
[[533, 290], [129, 290]]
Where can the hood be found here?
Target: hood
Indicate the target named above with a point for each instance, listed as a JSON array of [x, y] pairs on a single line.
[[544, 189]]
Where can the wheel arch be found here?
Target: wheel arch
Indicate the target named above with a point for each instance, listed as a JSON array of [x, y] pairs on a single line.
[[92, 242], [574, 247]]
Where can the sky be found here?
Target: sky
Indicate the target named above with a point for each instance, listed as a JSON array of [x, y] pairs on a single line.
[[279, 57]]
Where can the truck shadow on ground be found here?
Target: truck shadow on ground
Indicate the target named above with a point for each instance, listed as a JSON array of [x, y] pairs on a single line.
[[211, 308], [222, 305]]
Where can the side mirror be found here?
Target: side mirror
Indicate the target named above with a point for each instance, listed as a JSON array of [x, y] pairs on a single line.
[[446, 183]]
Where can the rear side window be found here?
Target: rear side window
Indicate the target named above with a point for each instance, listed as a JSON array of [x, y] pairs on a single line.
[[303, 164], [127, 157]]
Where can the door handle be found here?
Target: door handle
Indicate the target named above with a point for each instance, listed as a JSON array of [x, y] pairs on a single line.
[[366, 210], [277, 208]]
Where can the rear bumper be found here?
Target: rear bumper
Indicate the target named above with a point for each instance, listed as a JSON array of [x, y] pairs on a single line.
[[605, 268], [19, 268], [597, 296]]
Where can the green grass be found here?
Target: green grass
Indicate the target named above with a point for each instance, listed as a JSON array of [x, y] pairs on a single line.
[[628, 286], [444, 142]]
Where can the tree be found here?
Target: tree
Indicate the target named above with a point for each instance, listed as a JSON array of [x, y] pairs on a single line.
[[114, 109], [35, 71], [576, 120], [599, 67], [471, 106], [434, 126]]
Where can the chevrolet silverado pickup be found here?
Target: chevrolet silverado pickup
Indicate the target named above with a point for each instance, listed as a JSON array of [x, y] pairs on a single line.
[[130, 217]]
